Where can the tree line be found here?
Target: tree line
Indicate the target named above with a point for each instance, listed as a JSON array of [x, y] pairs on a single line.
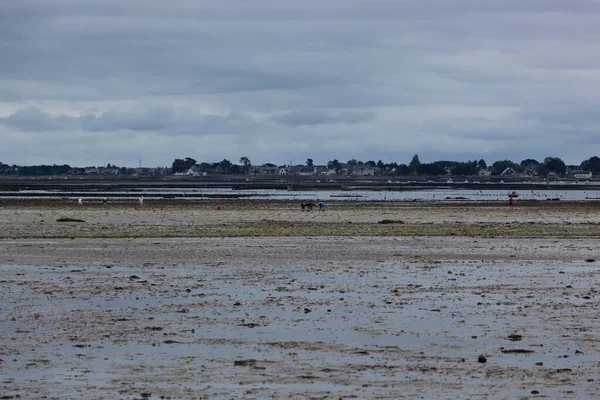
[[468, 168], [65, 169], [244, 166]]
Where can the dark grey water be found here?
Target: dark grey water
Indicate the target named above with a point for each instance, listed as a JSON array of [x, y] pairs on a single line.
[[439, 194]]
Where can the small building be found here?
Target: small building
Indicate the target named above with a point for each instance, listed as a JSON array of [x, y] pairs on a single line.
[[92, 170], [306, 171], [509, 171], [193, 171], [364, 171], [582, 174], [322, 170], [265, 170]]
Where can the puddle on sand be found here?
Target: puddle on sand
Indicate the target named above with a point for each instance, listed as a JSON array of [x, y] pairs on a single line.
[[293, 321]]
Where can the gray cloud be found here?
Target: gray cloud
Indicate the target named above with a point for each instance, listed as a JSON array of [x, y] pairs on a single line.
[[33, 119], [319, 117], [163, 120], [269, 79]]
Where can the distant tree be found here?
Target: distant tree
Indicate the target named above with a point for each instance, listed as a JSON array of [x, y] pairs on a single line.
[[431, 169], [335, 164], [447, 164], [481, 164], [591, 164], [235, 170], [531, 165], [309, 162], [62, 169], [529, 162], [182, 165], [555, 164], [42, 170], [352, 162], [542, 169], [245, 161], [499, 166], [414, 163], [269, 165], [204, 167], [380, 164], [226, 166], [371, 164], [402, 170], [468, 168], [178, 165]]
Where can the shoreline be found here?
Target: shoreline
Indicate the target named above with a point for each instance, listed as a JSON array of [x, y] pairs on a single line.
[[270, 218]]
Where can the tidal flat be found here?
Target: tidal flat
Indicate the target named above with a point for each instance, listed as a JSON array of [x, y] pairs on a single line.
[[262, 300]]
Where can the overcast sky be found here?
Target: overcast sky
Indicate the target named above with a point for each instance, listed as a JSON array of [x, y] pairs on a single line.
[[95, 82]]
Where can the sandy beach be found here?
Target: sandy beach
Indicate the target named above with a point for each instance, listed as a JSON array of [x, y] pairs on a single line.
[[261, 300]]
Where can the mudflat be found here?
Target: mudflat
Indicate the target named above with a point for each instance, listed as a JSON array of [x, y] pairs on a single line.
[[57, 218], [259, 299]]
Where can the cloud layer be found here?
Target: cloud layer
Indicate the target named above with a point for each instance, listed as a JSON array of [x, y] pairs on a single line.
[[86, 82]]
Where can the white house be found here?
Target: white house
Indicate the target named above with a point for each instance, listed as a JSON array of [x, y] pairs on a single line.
[[192, 172], [322, 170], [266, 170], [306, 171], [364, 171], [189, 172], [509, 171], [582, 174]]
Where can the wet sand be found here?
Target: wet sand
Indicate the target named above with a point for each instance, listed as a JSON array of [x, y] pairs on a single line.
[[261, 300], [255, 218]]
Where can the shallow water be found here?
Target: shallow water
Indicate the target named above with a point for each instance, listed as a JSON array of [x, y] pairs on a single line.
[[488, 192], [108, 331]]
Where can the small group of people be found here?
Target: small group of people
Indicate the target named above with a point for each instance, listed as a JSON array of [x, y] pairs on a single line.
[[309, 206]]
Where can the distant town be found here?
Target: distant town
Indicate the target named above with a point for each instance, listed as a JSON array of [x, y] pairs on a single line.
[[189, 167]]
